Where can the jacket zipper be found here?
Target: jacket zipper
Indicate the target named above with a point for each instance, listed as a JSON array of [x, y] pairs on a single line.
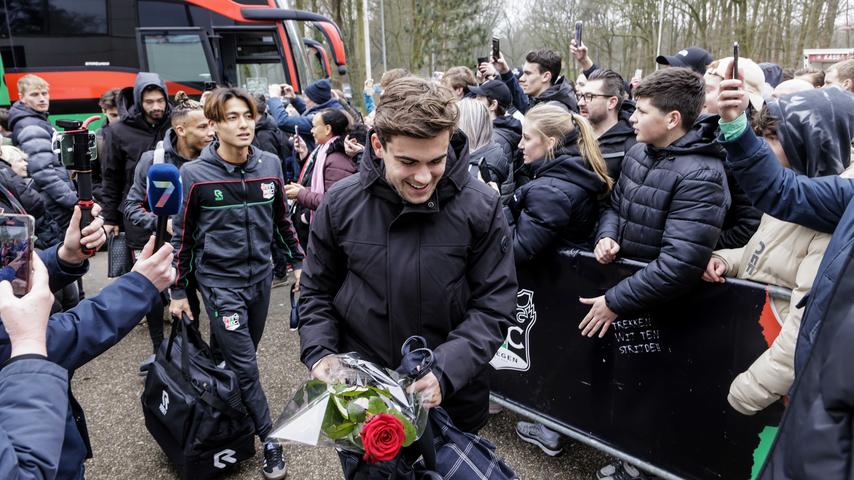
[[246, 221]]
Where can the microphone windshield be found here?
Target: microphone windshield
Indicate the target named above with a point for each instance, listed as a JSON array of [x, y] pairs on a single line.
[[164, 189]]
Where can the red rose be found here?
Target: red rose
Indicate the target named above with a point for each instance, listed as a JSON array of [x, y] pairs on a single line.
[[382, 437]]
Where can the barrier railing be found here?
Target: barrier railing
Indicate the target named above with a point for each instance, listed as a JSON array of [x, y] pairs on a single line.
[[654, 390]]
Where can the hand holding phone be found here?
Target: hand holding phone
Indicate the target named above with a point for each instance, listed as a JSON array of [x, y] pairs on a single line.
[[735, 61], [16, 248], [496, 50]]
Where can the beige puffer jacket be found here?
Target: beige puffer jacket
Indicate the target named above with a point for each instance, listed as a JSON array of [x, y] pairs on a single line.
[[787, 255]]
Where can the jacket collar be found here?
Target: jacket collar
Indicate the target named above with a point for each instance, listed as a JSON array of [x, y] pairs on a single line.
[[210, 155]]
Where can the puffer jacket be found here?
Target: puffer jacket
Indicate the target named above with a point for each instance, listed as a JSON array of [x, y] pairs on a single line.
[[666, 209], [811, 124], [139, 222], [500, 167], [560, 94], [228, 220], [458, 289], [618, 140], [814, 440], [507, 132], [33, 133], [270, 139], [558, 207], [787, 255], [125, 141]]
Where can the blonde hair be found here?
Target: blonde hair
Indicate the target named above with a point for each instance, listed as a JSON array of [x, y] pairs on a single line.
[[551, 121], [183, 106], [474, 121], [31, 82]]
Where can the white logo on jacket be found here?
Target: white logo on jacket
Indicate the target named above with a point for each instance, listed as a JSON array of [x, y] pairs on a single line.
[[231, 322], [268, 190]]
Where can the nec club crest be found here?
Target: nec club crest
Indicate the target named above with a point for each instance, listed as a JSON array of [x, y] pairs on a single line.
[[268, 190]]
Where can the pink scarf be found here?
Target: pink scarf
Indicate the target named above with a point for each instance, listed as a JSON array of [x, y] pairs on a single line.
[[317, 185]]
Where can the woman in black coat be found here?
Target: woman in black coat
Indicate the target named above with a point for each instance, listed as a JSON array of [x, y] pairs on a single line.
[[559, 206]]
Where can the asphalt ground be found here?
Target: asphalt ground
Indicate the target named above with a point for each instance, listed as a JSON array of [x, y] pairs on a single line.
[[108, 388]]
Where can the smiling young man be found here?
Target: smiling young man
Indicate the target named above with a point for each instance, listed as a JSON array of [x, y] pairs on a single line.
[[234, 208], [669, 203], [412, 245]]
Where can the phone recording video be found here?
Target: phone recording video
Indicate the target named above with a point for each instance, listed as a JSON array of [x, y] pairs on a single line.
[[578, 26], [16, 247]]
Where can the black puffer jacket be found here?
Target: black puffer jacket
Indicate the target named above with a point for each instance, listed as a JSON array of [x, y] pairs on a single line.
[[667, 209], [32, 132], [270, 139], [618, 140], [558, 207], [125, 142], [458, 289], [500, 167], [507, 132], [560, 94]]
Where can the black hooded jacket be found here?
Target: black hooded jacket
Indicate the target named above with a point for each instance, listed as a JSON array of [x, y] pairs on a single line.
[[560, 94], [558, 207], [270, 139], [810, 125], [125, 142], [458, 289], [507, 132], [666, 209], [618, 140]]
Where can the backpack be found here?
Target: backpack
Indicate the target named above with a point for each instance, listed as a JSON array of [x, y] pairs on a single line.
[[194, 409]]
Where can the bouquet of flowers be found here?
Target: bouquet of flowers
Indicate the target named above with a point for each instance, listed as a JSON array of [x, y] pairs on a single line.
[[365, 410]]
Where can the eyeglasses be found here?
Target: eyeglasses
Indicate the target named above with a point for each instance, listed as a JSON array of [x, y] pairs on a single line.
[[588, 97]]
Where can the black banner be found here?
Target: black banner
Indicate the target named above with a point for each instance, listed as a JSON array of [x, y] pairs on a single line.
[[655, 387]]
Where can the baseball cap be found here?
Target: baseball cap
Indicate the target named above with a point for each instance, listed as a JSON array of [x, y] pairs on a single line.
[[694, 58], [752, 76], [496, 90]]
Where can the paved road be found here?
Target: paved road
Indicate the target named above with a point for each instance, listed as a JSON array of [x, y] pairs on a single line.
[[109, 389]]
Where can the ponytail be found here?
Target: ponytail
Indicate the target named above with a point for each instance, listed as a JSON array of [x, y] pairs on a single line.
[[589, 147]]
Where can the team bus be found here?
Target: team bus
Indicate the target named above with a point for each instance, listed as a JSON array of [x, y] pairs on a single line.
[[85, 47]]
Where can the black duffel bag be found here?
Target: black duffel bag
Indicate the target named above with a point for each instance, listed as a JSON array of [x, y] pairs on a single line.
[[195, 410]]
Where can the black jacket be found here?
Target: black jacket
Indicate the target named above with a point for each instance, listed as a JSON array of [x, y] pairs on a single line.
[[500, 167], [32, 132], [810, 124], [558, 207], [270, 139], [618, 140], [458, 288], [125, 142], [24, 197], [507, 132], [667, 209], [560, 94]]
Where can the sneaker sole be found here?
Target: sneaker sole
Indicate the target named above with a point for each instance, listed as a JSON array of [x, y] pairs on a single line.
[[548, 451], [276, 475]]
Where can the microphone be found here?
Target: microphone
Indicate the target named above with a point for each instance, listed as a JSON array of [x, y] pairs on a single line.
[[164, 196]]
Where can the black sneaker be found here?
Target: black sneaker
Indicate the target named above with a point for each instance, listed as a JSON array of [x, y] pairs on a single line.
[[539, 435], [621, 470], [274, 464], [145, 365]]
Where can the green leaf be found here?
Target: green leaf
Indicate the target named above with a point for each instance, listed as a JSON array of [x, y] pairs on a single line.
[[408, 428], [376, 405], [341, 405], [355, 412], [340, 430]]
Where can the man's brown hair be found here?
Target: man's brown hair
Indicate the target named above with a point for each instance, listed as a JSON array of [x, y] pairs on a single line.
[[215, 102], [844, 70], [414, 107], [459, 77], [675, 88], [109, 99], [813, 75], [764, 123], [392, 75]]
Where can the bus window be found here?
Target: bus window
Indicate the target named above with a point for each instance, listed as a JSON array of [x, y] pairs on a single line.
[[178, 56], [251, 59], [300, 57], [54, 18]]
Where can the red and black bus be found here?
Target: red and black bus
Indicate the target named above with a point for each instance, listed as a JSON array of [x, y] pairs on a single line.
[[85, 47]]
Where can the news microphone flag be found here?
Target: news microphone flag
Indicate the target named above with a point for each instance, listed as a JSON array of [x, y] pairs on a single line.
[[164, 195]]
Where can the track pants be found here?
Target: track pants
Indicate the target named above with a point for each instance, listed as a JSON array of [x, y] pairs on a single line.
[[238, 316]]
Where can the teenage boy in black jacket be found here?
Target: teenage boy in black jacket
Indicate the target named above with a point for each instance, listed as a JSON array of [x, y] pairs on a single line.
[[669, 203], [234, 207]]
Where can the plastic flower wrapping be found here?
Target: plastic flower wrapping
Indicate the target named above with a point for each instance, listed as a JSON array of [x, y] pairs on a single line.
[[365, 410]]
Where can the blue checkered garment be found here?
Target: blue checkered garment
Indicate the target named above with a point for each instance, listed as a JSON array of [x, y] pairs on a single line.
[[459, 456]]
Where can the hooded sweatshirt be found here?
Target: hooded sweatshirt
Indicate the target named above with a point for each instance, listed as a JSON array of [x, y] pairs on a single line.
[[558, 207], [667, 209], [810, 126], [125, 142], [560, 94]]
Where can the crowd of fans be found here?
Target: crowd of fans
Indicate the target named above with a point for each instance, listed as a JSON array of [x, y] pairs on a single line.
[[651, 169]]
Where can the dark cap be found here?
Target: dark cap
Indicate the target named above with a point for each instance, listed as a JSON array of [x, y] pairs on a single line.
[[494, 90], [694, 58]]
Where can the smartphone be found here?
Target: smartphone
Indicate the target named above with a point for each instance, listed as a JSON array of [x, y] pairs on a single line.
[[638, 73], [578, 25], [485, 174], [481, 60], [735, 60], [16, 249], [496, 50], [210, 85]]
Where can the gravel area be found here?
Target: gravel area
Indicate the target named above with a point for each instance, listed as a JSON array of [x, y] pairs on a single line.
[[109, 389]]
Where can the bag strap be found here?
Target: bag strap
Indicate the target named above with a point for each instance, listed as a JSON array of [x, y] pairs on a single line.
[[213, 400], [159, 153]]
